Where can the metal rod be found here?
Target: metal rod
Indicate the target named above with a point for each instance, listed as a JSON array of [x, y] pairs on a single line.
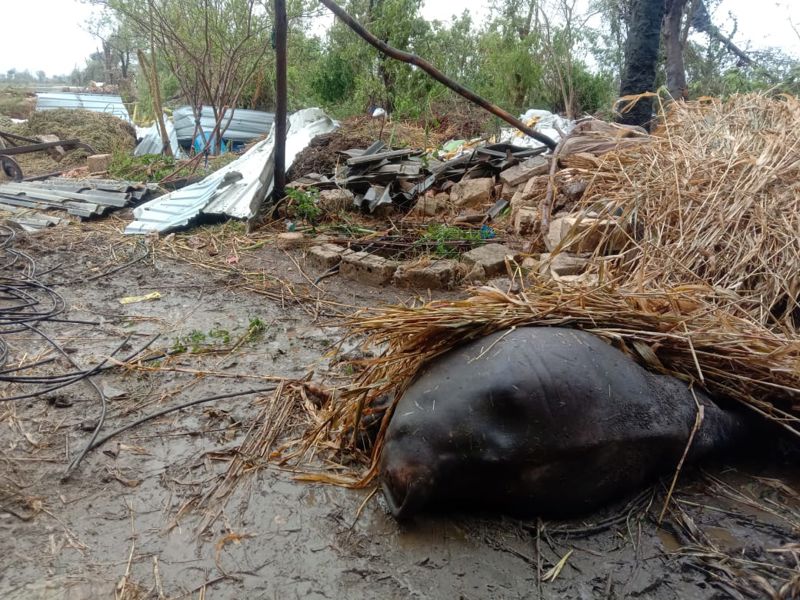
[[281, 25], [415, 60]]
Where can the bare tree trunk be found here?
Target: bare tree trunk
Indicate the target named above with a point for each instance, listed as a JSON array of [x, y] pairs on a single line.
[[281, 28], [155, 89], [155, 94], [641, 59], [673, 42]]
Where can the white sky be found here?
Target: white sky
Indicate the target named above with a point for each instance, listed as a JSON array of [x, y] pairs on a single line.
[[51, 34]]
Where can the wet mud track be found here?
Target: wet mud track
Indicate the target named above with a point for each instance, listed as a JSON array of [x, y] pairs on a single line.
[[120, 525]]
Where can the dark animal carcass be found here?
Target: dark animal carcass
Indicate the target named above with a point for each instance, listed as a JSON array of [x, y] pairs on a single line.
[[544, 421]]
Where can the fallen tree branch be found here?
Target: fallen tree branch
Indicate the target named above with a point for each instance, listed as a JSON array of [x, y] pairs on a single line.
[[415, 60]]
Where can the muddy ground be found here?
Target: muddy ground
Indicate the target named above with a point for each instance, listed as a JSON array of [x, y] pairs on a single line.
[[116, 526]]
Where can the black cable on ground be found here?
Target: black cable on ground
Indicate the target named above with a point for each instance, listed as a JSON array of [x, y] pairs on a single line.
[[165, 411]]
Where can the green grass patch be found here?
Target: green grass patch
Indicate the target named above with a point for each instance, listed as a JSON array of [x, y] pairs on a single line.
[[443, 240]]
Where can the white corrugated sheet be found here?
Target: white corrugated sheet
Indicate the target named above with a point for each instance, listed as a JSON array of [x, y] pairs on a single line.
[[151, 139], [242, 125], [94, 102], [236, 190]]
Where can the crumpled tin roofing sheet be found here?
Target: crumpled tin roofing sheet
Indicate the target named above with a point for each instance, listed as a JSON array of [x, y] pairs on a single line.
[[236, 190], [94, 102], [242, 125], [151, 139]]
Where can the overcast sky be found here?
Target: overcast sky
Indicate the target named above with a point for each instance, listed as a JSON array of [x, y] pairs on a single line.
[[50, 34]]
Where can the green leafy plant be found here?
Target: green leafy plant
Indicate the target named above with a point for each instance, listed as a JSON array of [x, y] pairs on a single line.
[[178, 347], [148, 167], [304, 204]]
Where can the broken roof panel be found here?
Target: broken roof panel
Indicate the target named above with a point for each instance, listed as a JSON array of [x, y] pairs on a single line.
[[93, 102], [151, 139], [79, 197], [240, 125], [236, 190]]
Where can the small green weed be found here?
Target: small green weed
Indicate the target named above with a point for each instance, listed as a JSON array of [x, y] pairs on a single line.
[[197, 341], [149, 167], [255, 329], [305, 204], [223, 335], [437, 235]]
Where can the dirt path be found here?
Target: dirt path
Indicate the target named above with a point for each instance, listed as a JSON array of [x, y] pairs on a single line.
[[117, 526]]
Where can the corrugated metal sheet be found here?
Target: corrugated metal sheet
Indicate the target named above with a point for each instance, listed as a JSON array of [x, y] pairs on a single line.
[[245, 125], [80, 197], [151, 139], [94, 102], [236, 190]]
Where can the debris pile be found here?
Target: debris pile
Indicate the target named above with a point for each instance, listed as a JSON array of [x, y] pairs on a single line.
[[103, 132], [81, 198], [89, 132], [681, 248], [382, 177], [238, 189]]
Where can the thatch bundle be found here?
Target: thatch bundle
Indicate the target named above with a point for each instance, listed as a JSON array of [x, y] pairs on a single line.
[[713, 200], [705, 288]]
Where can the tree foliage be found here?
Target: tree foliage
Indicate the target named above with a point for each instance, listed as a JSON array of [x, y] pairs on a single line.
[[561, 55]]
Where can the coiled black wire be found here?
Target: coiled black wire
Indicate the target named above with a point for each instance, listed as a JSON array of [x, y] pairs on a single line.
[[26, 303]]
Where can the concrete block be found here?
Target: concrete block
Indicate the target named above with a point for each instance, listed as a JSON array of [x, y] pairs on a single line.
[[508, 191], [334, 201], [521, 173], [562, 264], [325, 256], [437, 275], [535, 184], [531, 264], [492, 257], [476, 274], [586, 234], [98, 163], [472, 193], [526, 220], [290, 239], [367, 268], [430, 205]]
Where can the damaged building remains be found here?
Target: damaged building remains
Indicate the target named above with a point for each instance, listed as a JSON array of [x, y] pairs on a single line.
[[289, 310]]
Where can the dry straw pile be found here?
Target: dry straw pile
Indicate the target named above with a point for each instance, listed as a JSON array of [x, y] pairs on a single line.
[[705, 288]]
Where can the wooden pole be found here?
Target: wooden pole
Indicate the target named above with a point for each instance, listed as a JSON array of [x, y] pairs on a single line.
[[415, 60], [155, 96], [281, 26], [155, 91]]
